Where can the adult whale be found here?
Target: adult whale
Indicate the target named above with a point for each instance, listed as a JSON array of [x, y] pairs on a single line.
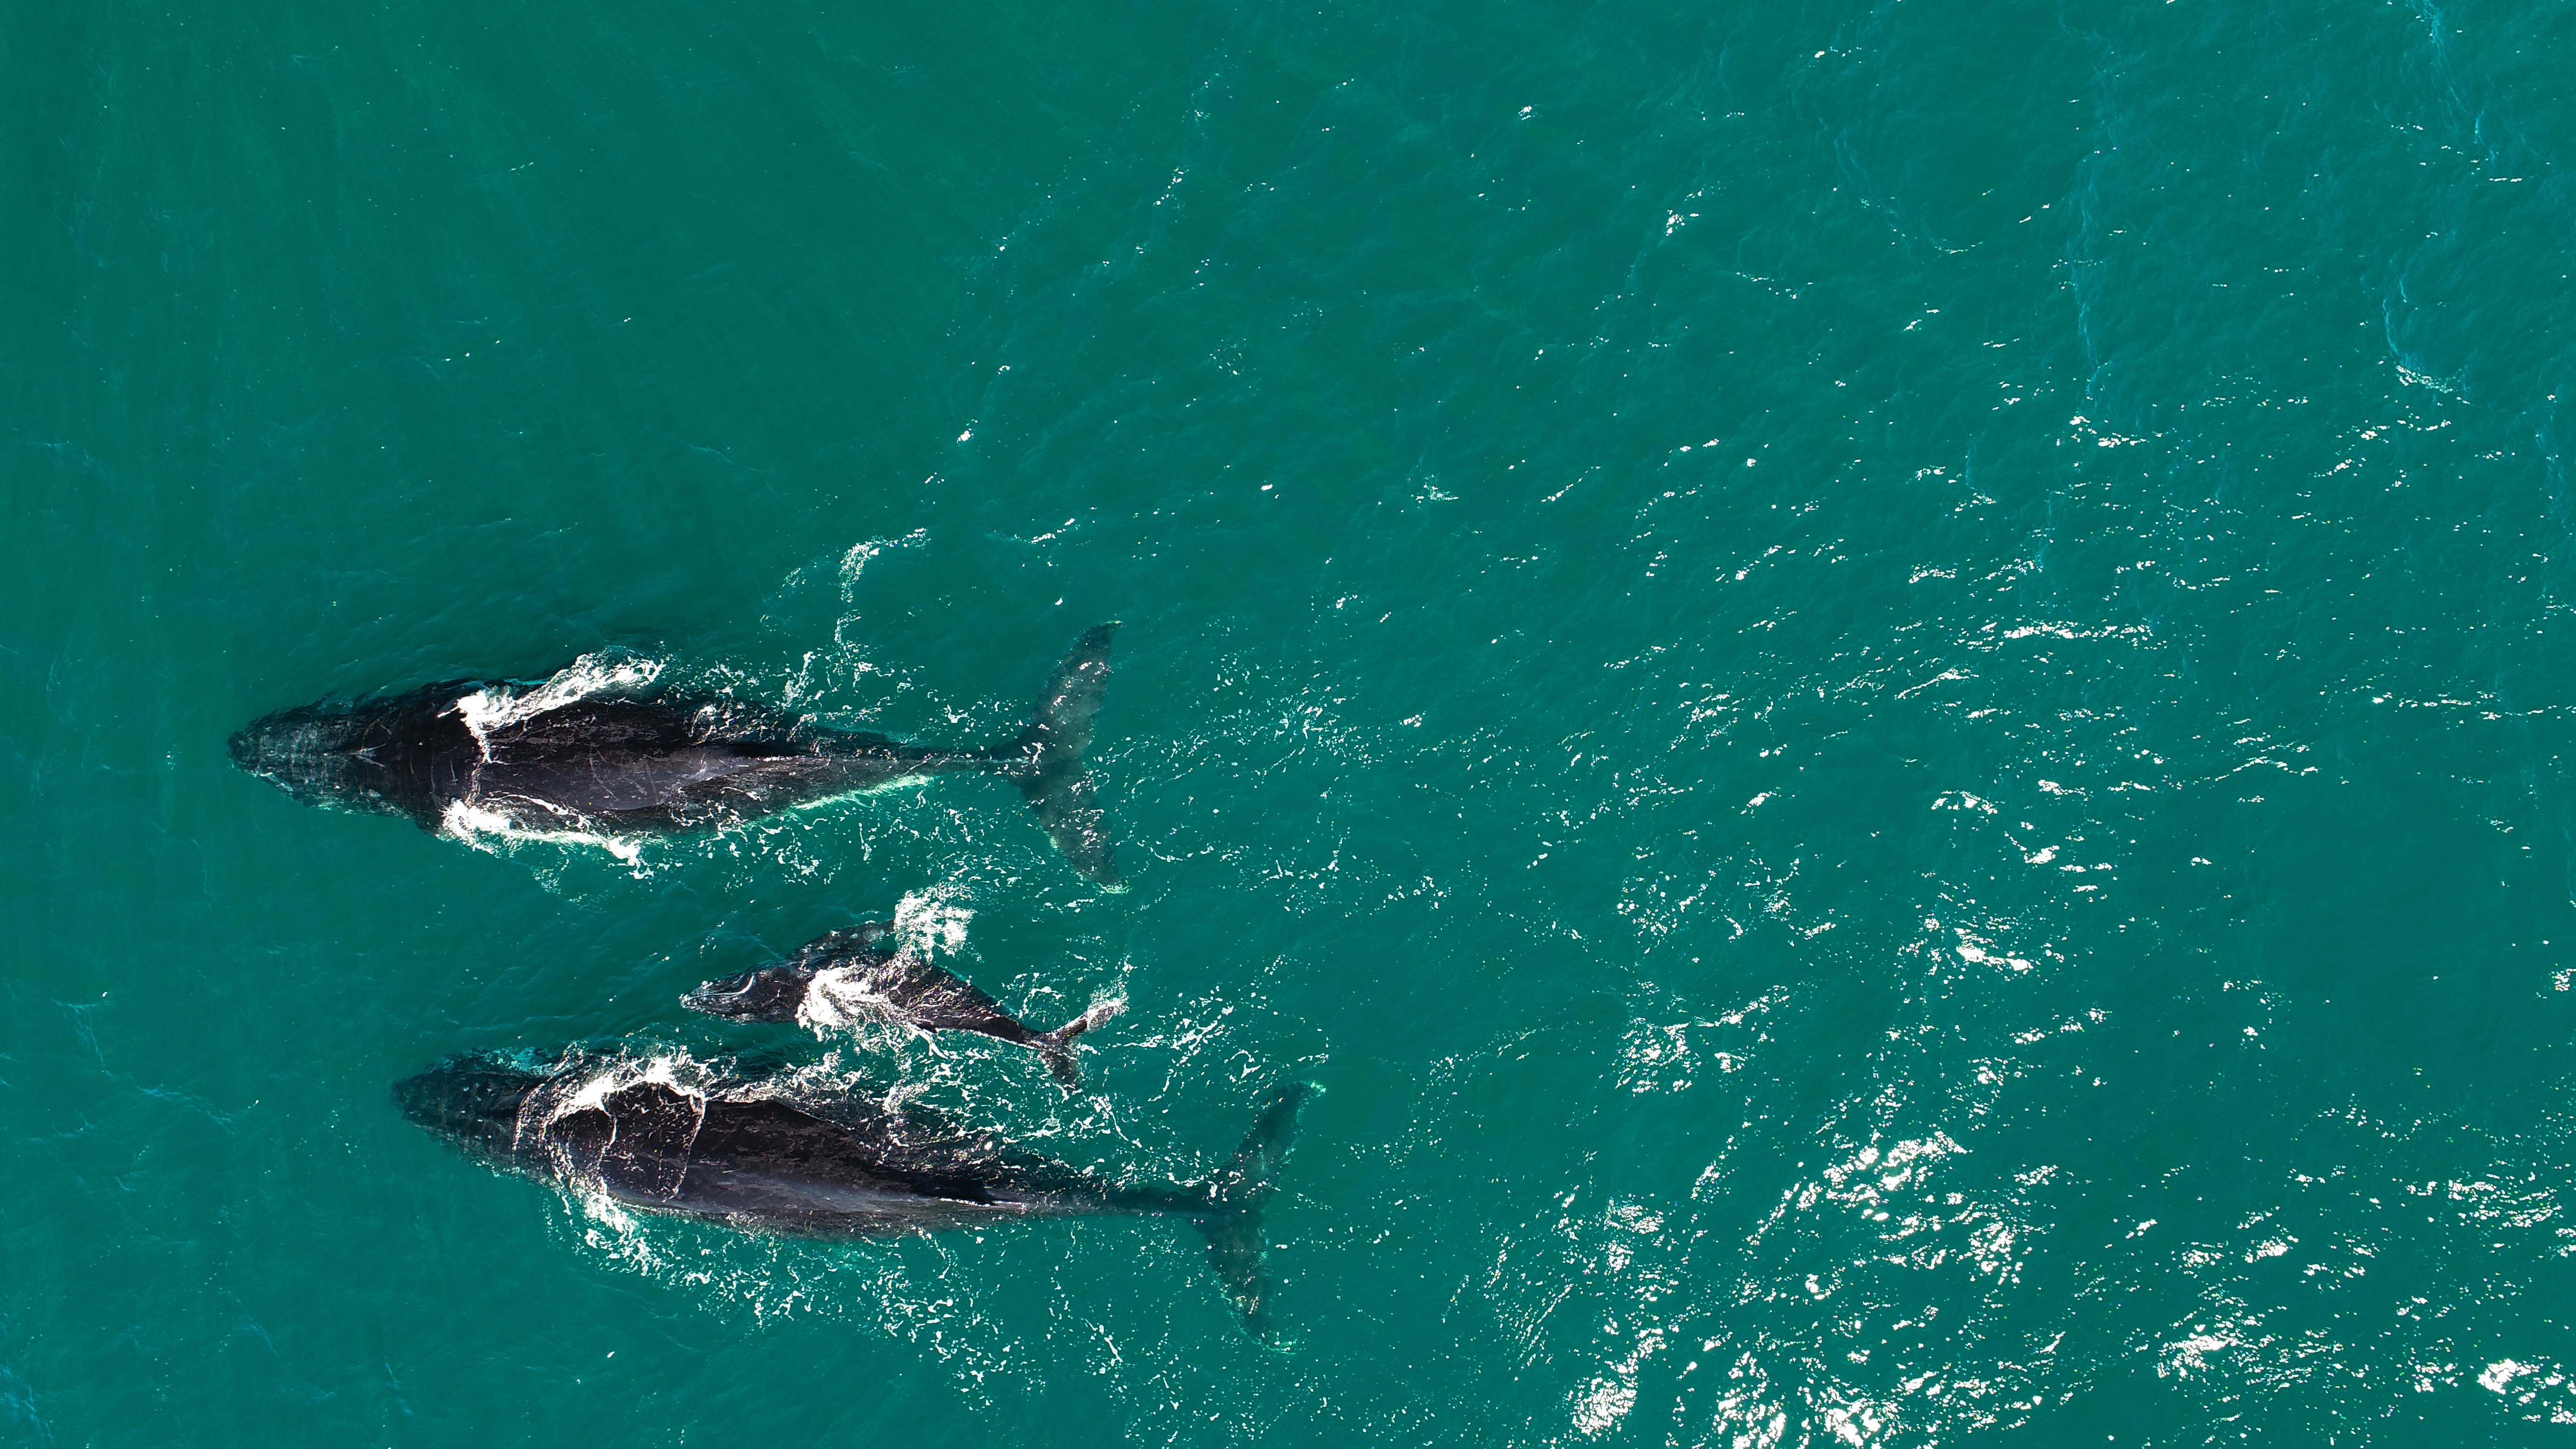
[[468, 754], [669, 1136], [852, 976]]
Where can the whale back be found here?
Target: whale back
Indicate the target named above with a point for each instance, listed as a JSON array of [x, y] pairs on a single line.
[[743, 1151], [851, 982], [680, 762], [400, 754]]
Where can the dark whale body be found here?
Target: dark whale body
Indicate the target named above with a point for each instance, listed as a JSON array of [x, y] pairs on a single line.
[[756, 1154], [851, 976], [606, 764]]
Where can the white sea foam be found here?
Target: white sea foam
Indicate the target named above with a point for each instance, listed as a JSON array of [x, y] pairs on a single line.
[[477, 824], [574, 1090], [676, 1071], [2536, 1392], [612, 1228], [843, 997], [933, 921], [486, 710]]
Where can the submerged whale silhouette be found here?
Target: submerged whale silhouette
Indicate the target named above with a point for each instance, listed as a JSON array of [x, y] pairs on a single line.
[[848, 977], [761, 1155], [465, 754]]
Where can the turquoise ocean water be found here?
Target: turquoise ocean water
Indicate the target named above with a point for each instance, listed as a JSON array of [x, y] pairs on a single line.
[[1883, 689]]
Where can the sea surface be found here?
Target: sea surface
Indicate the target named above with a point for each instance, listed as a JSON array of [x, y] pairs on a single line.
[[1884, 689]]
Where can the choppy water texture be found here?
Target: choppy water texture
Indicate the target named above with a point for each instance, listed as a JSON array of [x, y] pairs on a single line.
[[1883, 689]]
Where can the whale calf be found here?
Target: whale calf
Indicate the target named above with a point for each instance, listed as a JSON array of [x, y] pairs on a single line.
[[849, 977], [465, 754], [668, 1136]]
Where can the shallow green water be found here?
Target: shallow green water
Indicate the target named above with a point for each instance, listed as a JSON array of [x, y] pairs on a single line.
[[1882, 690]]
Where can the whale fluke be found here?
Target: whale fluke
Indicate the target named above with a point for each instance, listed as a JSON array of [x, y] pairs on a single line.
[[1236, 1195], [1056, 1046], [1047, 758]]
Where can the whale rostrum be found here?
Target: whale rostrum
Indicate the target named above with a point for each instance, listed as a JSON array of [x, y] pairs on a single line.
[[852, 977], [775, 1155], [624, 759]]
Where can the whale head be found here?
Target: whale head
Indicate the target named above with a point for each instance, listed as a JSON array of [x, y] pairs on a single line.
[[773, 994], [317, 753], [472, 1101]]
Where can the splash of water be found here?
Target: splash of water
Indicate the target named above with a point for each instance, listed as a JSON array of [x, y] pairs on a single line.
[[480, 828], [495, 707], [933, 921]]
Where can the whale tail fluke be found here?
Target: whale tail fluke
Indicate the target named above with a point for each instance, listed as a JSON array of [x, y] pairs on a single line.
[[1046, 758], [1236, 1196], [1057, 1046]]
